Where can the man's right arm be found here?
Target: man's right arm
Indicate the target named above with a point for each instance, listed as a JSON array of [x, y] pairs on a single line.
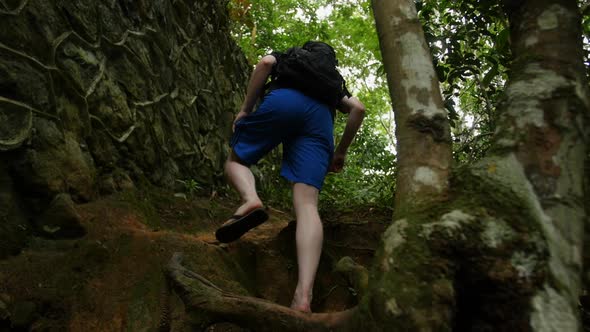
[[356, 114], [256, 85]]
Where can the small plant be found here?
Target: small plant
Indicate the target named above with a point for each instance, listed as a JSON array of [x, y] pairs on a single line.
[[191, 186]]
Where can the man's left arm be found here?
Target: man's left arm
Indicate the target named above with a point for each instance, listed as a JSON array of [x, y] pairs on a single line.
[[356, 114]]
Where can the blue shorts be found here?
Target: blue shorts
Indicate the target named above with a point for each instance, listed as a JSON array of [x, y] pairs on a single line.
[[303, 125]]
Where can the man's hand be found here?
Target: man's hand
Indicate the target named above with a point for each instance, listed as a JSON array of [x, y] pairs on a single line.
[[240, 115], [337, 162], [356, 114]]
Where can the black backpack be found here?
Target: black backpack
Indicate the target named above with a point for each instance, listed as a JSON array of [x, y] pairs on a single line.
[[310, 69]]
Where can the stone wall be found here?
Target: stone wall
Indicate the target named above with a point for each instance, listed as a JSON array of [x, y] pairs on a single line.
[[98, 95]]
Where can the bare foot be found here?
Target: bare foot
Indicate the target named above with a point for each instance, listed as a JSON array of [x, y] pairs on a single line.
[[301, 305], [248, 206], [305, 309]]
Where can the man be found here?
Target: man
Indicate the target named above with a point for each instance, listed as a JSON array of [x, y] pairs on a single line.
[[305, 127]]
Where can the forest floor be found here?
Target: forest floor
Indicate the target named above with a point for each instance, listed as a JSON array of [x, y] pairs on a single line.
[[111, 278]]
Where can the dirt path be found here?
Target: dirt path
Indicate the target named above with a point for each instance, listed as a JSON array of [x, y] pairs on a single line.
[[111, 279]]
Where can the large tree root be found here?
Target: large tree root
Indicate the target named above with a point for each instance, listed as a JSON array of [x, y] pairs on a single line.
[[199, 294]]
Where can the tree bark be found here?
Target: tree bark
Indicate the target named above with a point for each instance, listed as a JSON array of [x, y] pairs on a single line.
[[544, 123], [422, 127]]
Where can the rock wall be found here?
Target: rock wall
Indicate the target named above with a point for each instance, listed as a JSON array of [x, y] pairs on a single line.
[[98, 95]]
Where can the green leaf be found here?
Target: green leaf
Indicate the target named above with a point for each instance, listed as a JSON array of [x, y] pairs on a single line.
[[485, 82], [502, 39]]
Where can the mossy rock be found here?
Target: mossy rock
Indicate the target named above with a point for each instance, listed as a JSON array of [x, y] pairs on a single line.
[[16, 121]]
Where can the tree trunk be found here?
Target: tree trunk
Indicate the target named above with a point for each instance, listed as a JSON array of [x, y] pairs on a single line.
[[422, 127], [543, 131]]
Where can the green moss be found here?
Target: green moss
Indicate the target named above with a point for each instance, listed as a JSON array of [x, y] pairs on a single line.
[[403, 276], [477, 189], [419, 275]]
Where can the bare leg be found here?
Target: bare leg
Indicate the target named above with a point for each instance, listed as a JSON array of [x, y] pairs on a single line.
[[309, 237], [241, 178]]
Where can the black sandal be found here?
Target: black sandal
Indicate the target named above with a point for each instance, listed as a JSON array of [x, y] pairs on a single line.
[[238, 225]]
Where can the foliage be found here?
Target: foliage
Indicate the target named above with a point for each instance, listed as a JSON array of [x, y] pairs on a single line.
[[191, 186], [469, 41], [368, 178], [266, 25], [470, 44]]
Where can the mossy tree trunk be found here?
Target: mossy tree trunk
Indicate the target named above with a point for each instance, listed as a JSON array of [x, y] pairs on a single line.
[[496, 246], [544, 129], [504, 253]]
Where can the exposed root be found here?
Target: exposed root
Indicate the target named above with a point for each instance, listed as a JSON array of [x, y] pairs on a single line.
[[199, 295]]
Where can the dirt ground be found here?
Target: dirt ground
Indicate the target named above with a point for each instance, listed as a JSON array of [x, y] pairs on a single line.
[[111, 279]]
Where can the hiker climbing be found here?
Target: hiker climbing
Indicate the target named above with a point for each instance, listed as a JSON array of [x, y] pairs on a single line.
[[297, 110]]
